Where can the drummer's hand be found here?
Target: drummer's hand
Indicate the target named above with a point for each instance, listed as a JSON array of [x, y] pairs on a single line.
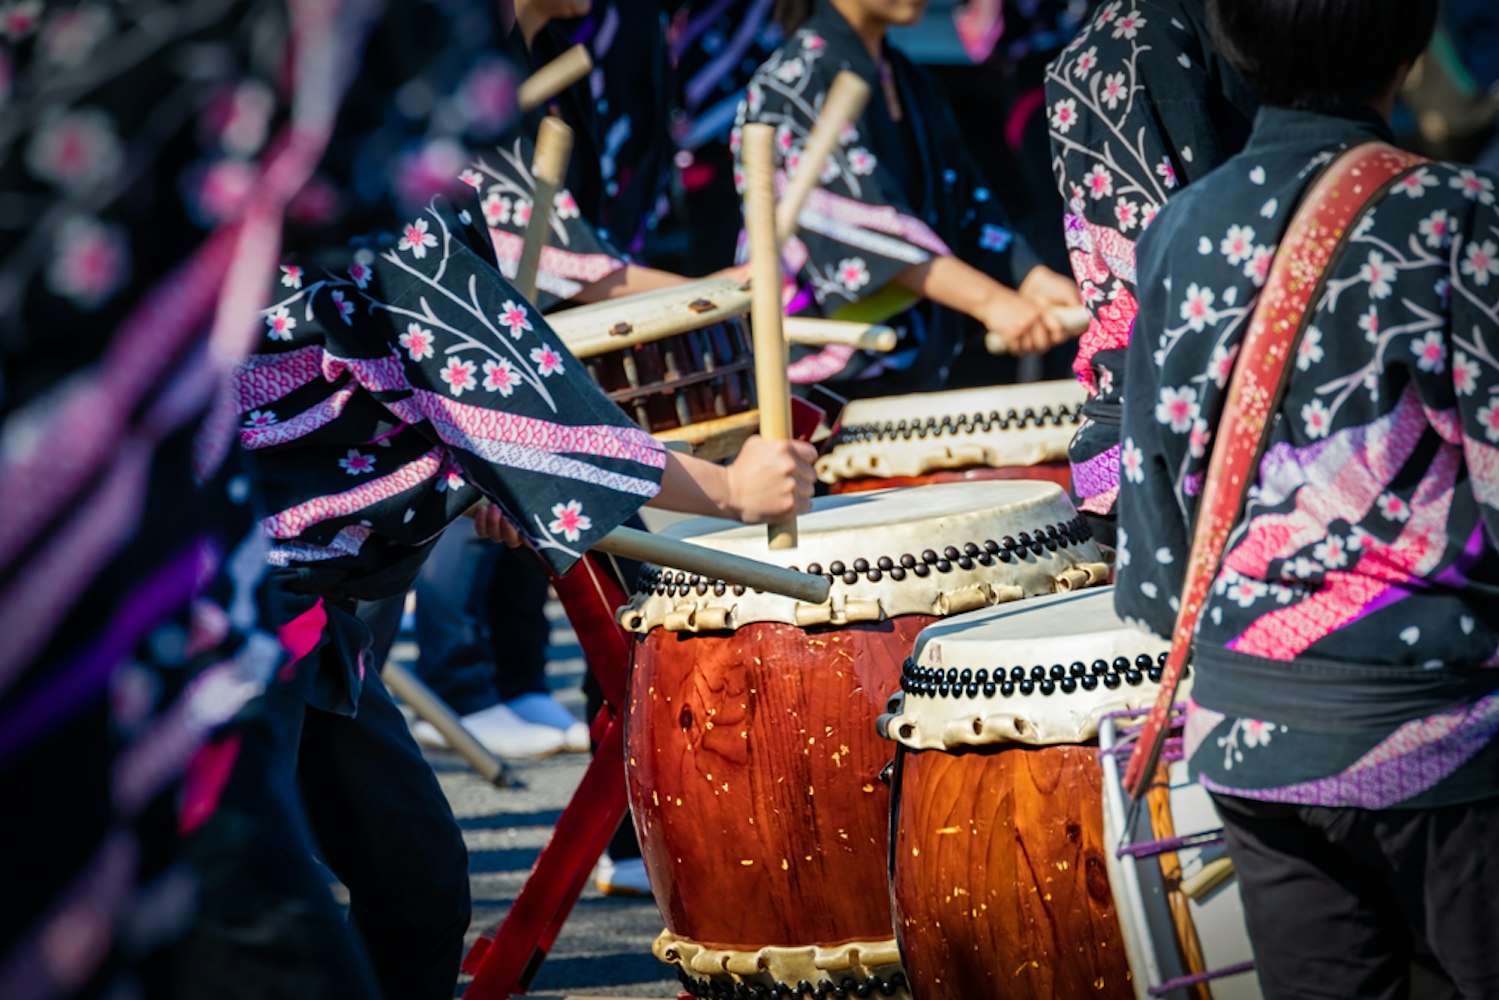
[[1047, 288], [492, 525], [771, 480], [1027, 327], [738, 272]]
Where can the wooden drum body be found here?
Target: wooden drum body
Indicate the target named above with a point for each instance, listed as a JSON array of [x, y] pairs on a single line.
[[999, 871], [1002, 432], [755, 771]]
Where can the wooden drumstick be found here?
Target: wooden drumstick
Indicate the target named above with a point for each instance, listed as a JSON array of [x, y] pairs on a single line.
[[553, 78], [1211, 876], [843, 104], [809, 331], [765, 307], [1074, 320], [554, 144]]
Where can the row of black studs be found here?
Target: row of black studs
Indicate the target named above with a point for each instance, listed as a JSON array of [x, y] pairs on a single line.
[[670, 583], [961, 424], [868, 986], [955, 683]]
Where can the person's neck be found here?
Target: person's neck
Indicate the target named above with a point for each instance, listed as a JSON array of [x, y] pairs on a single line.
[[870, 29]]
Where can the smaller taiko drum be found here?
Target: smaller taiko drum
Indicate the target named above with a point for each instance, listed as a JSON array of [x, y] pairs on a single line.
[[999, 873], [999, 432], [1172, 881]]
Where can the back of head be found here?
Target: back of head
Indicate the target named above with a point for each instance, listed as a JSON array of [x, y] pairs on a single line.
[[1320, 55]]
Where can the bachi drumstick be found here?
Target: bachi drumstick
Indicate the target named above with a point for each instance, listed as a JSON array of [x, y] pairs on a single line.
[[843, 104], [554, 144], [553, 78], [1075, 319]]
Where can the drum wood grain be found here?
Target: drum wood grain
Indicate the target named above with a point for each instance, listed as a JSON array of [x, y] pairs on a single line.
[[1051, 472], [999, 880], [754, 773]]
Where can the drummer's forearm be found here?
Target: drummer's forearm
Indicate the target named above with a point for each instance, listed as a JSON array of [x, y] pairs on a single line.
[[948, 281], [628, 280], [692, 486]]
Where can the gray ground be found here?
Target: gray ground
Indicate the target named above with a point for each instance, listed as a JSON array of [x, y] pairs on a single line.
[[605, 947]]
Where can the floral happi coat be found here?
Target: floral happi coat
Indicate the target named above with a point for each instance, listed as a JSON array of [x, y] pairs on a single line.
[[1348, 654]]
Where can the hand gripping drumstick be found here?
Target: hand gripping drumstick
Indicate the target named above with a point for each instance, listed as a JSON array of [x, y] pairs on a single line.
[[554, 144], [553, 78], [765, 308], [1075, 319], [843, 104]]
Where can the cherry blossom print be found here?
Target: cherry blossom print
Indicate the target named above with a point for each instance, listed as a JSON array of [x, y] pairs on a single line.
[[861, 161], [90, 263], [1122, 556], [501, 377], [564, 205], [344, 306], [1085, 62], [472, 178], [813, 42], [1109, 12], [1132, 462], [1332, 552], [356, 463], [1464, 374], [1415, 183], [569, 520], [785, 139], [1197, 308], [1257, 733], [848, 134], [790, 70], [260, 418], [1129, 25], [459, 375], [418, 341], [1430, 352], [416, 239], [1099, 181], [1317, 419], [360, 274], [20, 19], [1369, 323], [853, 273], [513, 317], [1063, 115], [1473, 187], [1488, 416], [548, 361], [829, 170], [1177, 408], [1198, 440], [280, 323], [1481, 261], [75, 149], [1237, 245], [1393, 508], [449, 478], [1221, 364], [1257, 267], [291, 276], [1113, 90], [1437, 228], [1244, 592], [1167, 172], [754, 96], [1309, 351], [496, 209], [1148, 216], [520, 215], [1127, 214]]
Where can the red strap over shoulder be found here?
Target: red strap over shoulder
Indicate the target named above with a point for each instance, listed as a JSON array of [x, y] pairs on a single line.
[[1316, 237]]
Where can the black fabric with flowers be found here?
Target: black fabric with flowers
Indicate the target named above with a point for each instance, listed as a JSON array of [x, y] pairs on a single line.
[[897, 191]]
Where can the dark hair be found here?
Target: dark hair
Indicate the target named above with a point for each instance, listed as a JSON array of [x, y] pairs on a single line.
[[1320, 55], [792, 14]]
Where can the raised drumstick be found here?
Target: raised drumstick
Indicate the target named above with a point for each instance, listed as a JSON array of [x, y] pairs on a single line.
[[554, 144], [765, 308], [553, 78], [1075, 320], [843, 104]]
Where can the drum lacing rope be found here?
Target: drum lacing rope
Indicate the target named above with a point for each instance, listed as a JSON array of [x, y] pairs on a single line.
[[963, 423], [869, 986], [1182, 982], [1167, 845]]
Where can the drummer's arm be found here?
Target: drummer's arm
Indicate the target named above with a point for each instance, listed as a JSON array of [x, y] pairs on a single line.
[[633, 278], [950, 282], [769, 481]]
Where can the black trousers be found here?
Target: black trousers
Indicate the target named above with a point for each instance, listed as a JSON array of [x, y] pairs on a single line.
[[1339, 900]]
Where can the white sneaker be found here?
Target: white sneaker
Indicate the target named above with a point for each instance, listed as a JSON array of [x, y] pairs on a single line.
[[622, 878], [543, 710], [502, 732]]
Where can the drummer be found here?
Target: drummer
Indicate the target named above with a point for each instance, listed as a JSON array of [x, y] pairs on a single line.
[[902, 214], [1345, 701]]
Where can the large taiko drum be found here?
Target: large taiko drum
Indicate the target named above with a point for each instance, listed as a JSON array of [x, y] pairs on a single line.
[[1000, 432], [755, 772], [1177, 899], [999, 873]]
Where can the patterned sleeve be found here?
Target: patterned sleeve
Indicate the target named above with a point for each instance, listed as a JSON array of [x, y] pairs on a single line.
[[857, 229], [575, 256], [430, 329]]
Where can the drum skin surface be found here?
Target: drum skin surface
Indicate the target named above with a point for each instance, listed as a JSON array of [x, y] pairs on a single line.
[[1051, 472], [754, 772], [999, 877]]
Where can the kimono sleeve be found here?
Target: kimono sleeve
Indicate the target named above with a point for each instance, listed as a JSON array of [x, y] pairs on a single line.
[[857, 230], [576, 254], [449, 347]]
